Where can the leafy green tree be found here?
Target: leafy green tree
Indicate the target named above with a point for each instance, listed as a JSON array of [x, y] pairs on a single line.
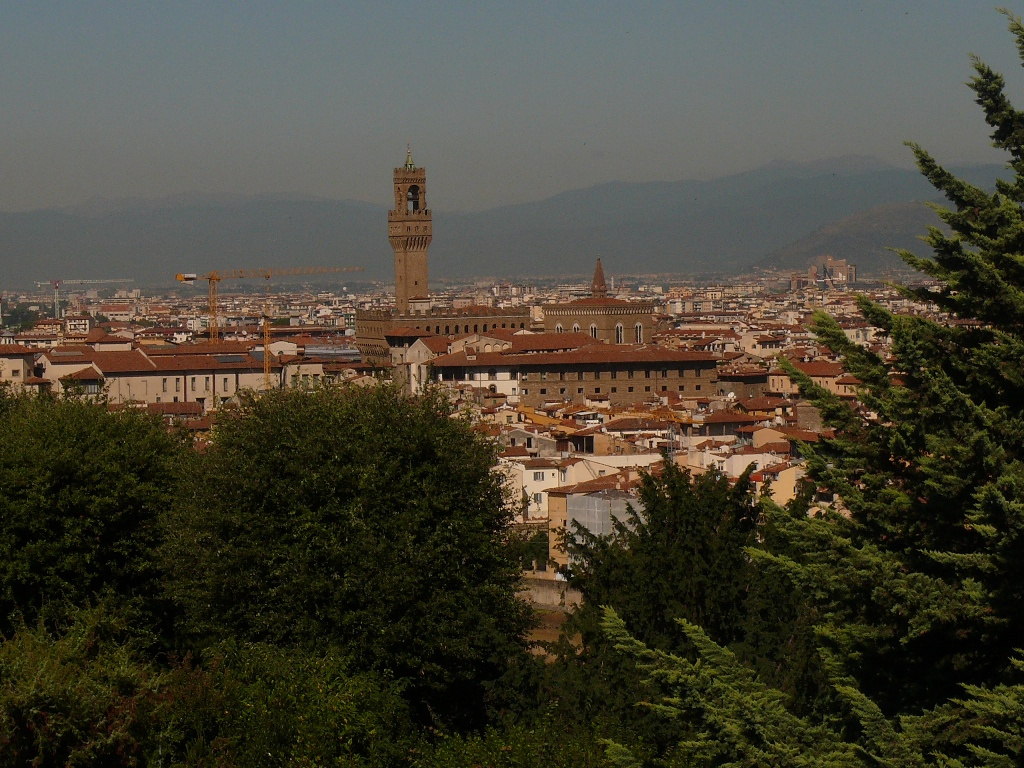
[[81, 493], [81, 696], [260, 705], [361, 519]]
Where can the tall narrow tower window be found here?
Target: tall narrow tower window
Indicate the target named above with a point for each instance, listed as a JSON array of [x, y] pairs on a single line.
[[618, 333], [413, 199], [639, 333]]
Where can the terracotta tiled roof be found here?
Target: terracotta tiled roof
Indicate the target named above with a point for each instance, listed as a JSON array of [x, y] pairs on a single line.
[[762, 403], [229, 362], [730, 417], [204, 348], [621, 481], [543, 342], [407, 331], [113, 362], [175, 409], [85, 374]]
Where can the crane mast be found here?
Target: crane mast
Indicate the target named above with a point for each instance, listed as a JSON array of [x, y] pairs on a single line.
[[56, 284], [214, 278]]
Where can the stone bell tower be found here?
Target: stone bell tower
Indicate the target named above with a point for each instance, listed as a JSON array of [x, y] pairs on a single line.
[[409, 231]]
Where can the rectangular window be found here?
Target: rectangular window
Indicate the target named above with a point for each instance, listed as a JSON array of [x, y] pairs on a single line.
[[206, 383], [526, 391], [538, 475], [630, 389], [15, 373], [538, 498], [647, 374], [579, 376], [597, 390], [614, 390], [543, 390], [225, 383], [615, 374], [597, 374], [579, 391], [561, 390], [163, 384], [177, 384], [664, 388], [664, 373], [630, 373], [647, 389], [193, 383], [697, 387]]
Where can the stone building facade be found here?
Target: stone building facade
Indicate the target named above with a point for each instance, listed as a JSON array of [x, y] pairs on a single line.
[[610, 320], [621, 375]]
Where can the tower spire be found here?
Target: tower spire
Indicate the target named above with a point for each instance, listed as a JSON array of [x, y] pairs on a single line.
[[598, 287], [409, 164]]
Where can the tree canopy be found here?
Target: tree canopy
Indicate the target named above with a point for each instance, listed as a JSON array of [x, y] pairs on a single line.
[[357, 518], [82, 490]]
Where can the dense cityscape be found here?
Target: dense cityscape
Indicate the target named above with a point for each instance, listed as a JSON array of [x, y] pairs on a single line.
[[273, 514]]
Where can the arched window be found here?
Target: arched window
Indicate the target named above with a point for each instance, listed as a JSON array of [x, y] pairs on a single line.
[[558, 328], [639, 333], [593, 330], [618, 334], [456, 329], [412, 199], [485, 327], [476, 329], [447, 329], [521, 326]]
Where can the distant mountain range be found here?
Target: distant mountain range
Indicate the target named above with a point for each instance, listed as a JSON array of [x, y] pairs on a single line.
[[783, 215]]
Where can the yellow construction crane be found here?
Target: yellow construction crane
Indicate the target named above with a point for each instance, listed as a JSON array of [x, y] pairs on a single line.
[[215, 277]]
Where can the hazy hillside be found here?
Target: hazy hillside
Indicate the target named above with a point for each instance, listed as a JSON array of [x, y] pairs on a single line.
[[724, 224], [863, 238]]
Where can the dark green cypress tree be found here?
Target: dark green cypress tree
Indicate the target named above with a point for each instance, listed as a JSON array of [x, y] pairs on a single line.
[[923, 576], [915, 578]]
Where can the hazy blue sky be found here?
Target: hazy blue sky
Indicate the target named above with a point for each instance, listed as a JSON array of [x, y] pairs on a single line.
[[503, 101]]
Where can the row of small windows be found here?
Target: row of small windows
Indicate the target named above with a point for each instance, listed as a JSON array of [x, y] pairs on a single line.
[[597, 390], [476, 328], [620, 333]]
